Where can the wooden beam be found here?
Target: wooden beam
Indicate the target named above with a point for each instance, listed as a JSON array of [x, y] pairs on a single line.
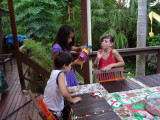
[[34, 65], [16, 45], [84, 34], [158, 62]]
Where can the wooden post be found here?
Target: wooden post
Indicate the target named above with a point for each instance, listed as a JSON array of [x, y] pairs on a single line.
[[84, 33], [158, 61], [16, 45]]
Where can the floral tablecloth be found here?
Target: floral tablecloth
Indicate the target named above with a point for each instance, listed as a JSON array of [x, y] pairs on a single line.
[[88, 88], [129, 105]]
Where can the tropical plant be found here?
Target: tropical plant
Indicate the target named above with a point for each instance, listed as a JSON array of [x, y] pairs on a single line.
[[3, 12], [155, 40], [39, 53], [112, 17], [40, 18]]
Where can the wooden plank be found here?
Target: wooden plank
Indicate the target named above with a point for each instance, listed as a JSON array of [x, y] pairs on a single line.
[[89, 105], [5, 103], [158, 62], [14, 101], [34, 65], [84, 35], [150, 80], [128, 51], [16, 45], [25, 108], [13, 117], [20, 112], [120, 85]]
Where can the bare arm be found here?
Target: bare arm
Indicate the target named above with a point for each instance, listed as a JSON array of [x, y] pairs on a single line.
[[77, 49], [99, 55], [64, 90]]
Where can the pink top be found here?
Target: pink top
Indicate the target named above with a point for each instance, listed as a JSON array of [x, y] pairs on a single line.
[[109, 60]]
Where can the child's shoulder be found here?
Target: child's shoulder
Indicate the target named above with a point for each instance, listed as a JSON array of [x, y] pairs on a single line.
[[56, 45], [114, 51]]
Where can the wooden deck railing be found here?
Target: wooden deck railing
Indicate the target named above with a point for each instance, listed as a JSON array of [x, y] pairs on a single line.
[[123, 52], [92, 55]]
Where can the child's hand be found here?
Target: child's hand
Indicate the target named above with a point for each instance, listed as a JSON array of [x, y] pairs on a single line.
[[76, 99], [99, 53], [107, 67], [71, 91], [78, 62]]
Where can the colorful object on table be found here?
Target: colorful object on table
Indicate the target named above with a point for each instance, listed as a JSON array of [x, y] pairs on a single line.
[[89, 88], [45, 110], [84, 53], [74, 117], [96, 94], [129, 105], [152, 104], [110, 75]]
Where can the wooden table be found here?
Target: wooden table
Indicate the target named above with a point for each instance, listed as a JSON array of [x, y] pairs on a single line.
[[91, 105], [120, 85], [133, 86]]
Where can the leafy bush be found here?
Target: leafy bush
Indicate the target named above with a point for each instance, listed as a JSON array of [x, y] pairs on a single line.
[[40, 18], [155, 40], [41, 55]]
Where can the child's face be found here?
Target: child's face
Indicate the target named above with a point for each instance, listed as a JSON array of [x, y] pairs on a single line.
[[68, 68], [105, 44], [70, 37]]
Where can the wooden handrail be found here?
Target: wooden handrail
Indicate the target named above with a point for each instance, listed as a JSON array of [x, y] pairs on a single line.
[[34, 65], [127, 51], [92, 55]]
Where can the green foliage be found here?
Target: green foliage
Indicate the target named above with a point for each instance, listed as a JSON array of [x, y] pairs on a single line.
[[39, 18], [120, 38], [155, 40], [39, 53], [130, 67], [76, 24], [115, 19]]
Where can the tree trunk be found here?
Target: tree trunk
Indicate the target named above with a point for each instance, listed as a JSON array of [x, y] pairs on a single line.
[[141, 36], [1, 38]]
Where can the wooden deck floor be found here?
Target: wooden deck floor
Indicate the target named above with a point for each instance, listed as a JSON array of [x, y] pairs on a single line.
[[13, 98]]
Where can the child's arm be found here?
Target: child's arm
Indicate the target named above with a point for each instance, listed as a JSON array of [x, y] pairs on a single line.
[[64, 90], [99, 55], [119, 59], [77, 49], [77, 62], [71, 91]]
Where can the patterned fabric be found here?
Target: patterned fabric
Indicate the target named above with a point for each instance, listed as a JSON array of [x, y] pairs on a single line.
[[129, 105], [45, 110], [88, 88], [109, 60]]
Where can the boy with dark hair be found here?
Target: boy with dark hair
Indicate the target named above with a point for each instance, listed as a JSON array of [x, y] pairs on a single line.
[[56, 90]]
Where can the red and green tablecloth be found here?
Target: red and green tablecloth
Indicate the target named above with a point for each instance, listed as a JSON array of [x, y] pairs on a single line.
[[129, 105]]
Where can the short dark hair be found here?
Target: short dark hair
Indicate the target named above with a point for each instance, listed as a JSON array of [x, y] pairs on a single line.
[[61, 59], [107, 36], [62, 37]]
